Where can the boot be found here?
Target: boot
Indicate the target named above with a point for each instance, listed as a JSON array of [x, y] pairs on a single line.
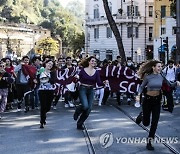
[[139, 118], [81, 120], [149, 145]]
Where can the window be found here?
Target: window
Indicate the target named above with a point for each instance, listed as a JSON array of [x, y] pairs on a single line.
[[150, 11], [129, 32], [137, 31], [174, 30], [134, 11], [88, 38], [97, 54], [163, 30], [96, 11], [109, 32], [163, 11], [44, 32], [96, 33], [39, 32], [109, 54], [150, 33], [128, 11]]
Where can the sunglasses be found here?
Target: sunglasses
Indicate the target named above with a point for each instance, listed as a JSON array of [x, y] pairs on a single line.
[[1, 65]]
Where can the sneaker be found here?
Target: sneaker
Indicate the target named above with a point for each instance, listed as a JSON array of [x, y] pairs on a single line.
[[99, 104], [177, 102], [121, 98], [71, 104], [149, 146], [66, 105], [139, 118], [26, 109], [19, 107], [54, 108], [41, 126]]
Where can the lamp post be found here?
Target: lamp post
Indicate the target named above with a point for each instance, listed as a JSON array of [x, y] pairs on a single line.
[[132, 35]]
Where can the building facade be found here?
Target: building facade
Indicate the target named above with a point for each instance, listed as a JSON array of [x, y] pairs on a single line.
[[20, 39], [134, 20], [164, 27]]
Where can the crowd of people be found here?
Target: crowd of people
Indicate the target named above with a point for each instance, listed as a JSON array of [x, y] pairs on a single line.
[[39, 83]]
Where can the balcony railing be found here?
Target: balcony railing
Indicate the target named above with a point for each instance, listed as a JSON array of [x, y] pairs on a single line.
[[117, 18]]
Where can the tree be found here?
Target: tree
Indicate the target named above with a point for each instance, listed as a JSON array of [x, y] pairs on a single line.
[[2, 2], [115, 31], [173, 8], [77, 44], [48, 46]]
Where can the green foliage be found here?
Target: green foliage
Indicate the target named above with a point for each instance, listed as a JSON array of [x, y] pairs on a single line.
[[77, 44], [173, 8], [66, 22], [48, 46], [2, 2]]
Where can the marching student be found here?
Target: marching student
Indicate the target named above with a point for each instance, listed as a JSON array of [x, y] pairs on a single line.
[[5, 80], [46, 90], [170, 74], [152, 77], [9, 68], [88, 77]]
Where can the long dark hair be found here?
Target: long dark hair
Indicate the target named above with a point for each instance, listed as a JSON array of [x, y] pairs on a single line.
[[85, 62], [53, 67], [146, 68], [9, 60]]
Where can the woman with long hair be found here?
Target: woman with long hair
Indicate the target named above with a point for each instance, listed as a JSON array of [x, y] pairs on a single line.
[[9, 68], [88, 77], [5, 80], [150, 73], [46, 90]]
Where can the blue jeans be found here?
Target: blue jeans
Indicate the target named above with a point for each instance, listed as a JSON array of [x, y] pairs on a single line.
[[86, 96], [178, 93]]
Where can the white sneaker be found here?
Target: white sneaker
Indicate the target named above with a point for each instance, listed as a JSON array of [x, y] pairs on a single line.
[[66, 105], [129, 100], [71, 104], [121, 97], [54, 108], [99, 104], [177, 101]]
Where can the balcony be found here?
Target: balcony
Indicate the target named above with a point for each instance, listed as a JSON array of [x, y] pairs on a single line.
[[118, 19], [128, 19]]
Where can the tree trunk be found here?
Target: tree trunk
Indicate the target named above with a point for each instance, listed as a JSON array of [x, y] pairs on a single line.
[[114, 30]]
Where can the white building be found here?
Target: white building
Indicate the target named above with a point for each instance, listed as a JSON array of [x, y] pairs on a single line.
[[168, 30], [21, 38], [100, 40]]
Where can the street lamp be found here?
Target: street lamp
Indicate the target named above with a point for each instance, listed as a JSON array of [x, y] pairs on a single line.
[[132, 11]]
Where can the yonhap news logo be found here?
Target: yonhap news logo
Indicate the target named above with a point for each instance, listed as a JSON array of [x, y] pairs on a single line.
[[107, 139]]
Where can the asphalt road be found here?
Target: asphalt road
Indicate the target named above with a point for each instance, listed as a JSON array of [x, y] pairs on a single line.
[[20, 132]]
